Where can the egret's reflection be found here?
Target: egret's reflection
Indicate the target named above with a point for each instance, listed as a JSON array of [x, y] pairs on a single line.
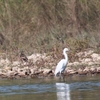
[[63, 91]]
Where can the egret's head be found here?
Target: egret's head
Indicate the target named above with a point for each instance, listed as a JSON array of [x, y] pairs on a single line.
[[65, 50]]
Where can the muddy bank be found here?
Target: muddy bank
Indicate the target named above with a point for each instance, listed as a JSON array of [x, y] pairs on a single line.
[[27, 72], [43, 65]]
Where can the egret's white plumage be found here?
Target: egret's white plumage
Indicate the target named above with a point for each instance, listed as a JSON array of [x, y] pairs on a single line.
[[62, 64]]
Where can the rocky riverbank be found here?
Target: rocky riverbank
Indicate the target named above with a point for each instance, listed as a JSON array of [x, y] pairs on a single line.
[[43, 65]]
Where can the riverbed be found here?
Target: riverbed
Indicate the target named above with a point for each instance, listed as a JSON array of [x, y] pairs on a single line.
[[72, 88]]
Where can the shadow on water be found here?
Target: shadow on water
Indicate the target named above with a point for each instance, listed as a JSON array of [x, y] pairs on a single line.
[[74, 88]]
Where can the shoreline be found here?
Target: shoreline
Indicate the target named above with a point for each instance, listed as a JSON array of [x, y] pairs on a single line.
[[49, 74], [43, 65]]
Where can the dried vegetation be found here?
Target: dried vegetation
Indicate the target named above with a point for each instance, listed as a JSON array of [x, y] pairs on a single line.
[[48, 26]]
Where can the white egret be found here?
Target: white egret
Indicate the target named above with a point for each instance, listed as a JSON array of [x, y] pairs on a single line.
[[62, 64]]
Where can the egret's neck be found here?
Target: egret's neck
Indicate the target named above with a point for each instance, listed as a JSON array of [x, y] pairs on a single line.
[[65, 55]]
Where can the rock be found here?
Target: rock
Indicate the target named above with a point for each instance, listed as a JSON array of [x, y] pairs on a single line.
[[32, 71], [11, 73], [98, 59], [70, 64], [37, 57], [93, 70], [88, 52], [98, 69], [4, 62], [76, 63], [87, 60], [82, 72], [16, 63], [95, 55], [86, 69], [28, 72], [47, 71], [90, 63], [7, 68], [3, 75], [22, 74], [71, 71], [80, 54], [15, 69], [38, 72], [85, 53]]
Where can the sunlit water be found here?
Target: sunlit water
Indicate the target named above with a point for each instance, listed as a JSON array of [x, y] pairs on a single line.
[[73, 88]]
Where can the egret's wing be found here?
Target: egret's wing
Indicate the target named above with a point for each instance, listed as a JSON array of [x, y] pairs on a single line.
[[59, 67]]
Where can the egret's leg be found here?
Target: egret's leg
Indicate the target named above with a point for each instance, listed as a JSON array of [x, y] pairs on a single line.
[[61, 77]]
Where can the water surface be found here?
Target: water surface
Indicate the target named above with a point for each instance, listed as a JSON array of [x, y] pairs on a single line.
[[73, 88]]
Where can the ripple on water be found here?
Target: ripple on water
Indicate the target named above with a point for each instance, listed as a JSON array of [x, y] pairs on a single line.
[[84, 86], [26, 89], [46, 87]]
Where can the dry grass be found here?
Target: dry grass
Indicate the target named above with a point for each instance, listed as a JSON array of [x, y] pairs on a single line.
[[49, 25]]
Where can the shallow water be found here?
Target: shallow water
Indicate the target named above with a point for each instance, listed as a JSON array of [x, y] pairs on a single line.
[[73, 88]]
